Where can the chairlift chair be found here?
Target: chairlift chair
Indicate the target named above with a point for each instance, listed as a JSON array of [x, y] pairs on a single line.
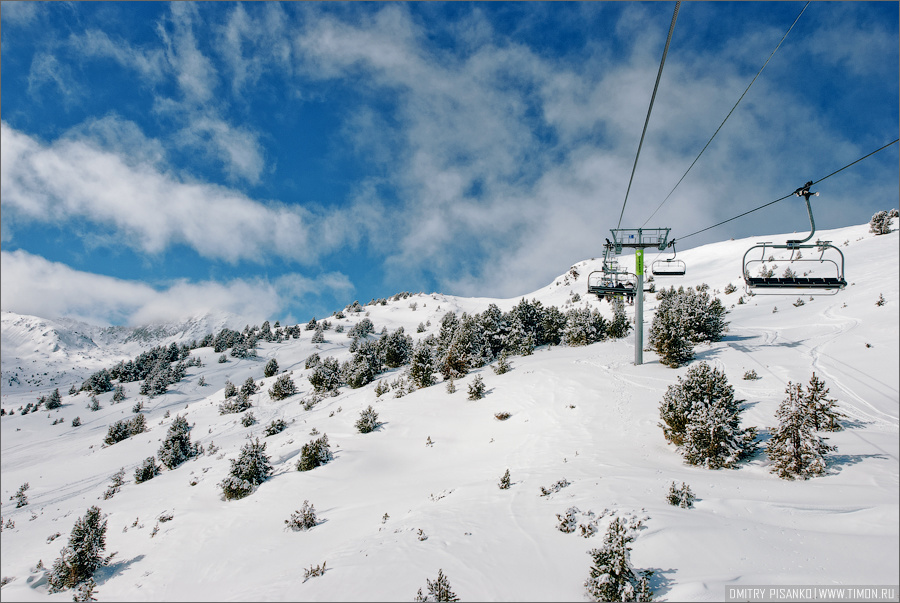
[[605, 285], [669, 266], [767, 283]]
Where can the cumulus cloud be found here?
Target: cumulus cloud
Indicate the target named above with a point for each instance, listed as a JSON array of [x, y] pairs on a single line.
[[153, 209], [33, 285]]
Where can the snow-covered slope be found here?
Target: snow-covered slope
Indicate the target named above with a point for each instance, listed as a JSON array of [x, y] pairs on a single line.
[[587, 415]]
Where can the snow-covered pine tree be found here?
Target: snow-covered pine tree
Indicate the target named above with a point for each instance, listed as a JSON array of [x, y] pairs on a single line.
[[701, 416], [327, 376], [54, 400], [476, 388], [86, 591], [315, 453], [880, 223], [244, 348], [303, 519], [494, 327], [83, 556], [147, 470], [685, 317], [396, 348], [124, 429], [249, 387], [271, 368], [584, 327], [118, 393], [619, 326], [669, 337], [673, 497], [820, 407], [454, 362], [157, 380], [421, 368], [794, 448], [248, 419], [235, 404], [361, 329], [177, 447], [553, 325], [230, 389], [612, 577], [438, 590], [312, 361], [366, 363], [568, 523], [19, 496], [283, 387], [275, 427], [449, 327], [502, 365], [504, 481], [680, 497], [368, 420], [251, 468]]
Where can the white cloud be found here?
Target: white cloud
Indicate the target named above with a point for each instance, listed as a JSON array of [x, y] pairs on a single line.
[[149, 63], [19, 13], [33, 285], [152, 209], [196, 76], [862, 47], [45, 70], [236, 148], [200, 105], [254, 44], [121, 137]]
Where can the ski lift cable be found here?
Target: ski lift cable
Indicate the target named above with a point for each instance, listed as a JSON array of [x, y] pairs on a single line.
[[650, 109], [791, 194], [729, 114]]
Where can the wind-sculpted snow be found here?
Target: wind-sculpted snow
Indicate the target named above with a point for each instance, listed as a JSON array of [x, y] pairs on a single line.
[[420, 493]]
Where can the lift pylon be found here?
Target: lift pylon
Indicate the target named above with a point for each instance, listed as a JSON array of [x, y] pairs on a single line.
[[637, 239]]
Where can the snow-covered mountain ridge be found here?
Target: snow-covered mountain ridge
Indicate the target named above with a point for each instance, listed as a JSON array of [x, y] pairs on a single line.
[[42, 352], [584, 414]]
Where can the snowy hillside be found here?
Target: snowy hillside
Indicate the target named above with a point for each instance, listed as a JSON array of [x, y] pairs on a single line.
[[420, 493]]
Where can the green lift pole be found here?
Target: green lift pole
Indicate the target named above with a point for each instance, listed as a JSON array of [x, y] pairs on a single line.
[[639, 307]]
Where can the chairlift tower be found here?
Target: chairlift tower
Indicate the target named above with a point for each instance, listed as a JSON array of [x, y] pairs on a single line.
[[639, 239]]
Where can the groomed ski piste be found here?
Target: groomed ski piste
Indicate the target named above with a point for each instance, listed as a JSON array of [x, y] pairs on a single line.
[[394, 510]]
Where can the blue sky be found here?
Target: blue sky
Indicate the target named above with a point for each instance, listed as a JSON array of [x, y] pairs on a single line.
[[279, 161]]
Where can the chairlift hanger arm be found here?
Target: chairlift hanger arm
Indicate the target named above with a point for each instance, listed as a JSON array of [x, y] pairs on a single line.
[[804, 192]]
